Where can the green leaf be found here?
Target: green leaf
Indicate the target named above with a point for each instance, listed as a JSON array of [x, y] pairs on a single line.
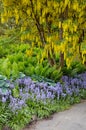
[[16, 92], [4, 90], [21, 75], [6, 85], [2, 83], [2, 77]]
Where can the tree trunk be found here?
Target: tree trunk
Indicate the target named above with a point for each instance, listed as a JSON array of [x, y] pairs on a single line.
[[38, 25]]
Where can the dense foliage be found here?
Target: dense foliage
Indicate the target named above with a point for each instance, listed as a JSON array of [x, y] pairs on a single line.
[[42, 58], [28, 98], [59, 26], [23, 98]]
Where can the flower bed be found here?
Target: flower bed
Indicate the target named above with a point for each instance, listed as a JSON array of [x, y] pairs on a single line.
[[27, 97], [23, 89]]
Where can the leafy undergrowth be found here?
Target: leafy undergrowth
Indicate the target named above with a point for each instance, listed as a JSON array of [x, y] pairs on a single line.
[[23, 98], [16, 58]]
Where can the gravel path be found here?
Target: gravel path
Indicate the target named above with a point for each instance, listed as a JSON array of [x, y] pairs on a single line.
[[72, 119]]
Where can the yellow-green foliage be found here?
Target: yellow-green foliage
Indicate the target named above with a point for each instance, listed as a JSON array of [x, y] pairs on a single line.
[[59, 23]]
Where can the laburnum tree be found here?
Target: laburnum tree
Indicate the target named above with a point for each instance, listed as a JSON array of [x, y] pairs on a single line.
[[59, 26]]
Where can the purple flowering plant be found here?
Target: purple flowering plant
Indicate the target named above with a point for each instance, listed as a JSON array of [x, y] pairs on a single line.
[[43, 92], [25, 97], [24, 89]]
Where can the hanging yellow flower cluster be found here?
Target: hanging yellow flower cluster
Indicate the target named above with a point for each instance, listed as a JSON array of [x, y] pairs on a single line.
[[56, 24]]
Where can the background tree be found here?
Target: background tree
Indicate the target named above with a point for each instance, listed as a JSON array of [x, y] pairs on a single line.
[[58, 26]]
